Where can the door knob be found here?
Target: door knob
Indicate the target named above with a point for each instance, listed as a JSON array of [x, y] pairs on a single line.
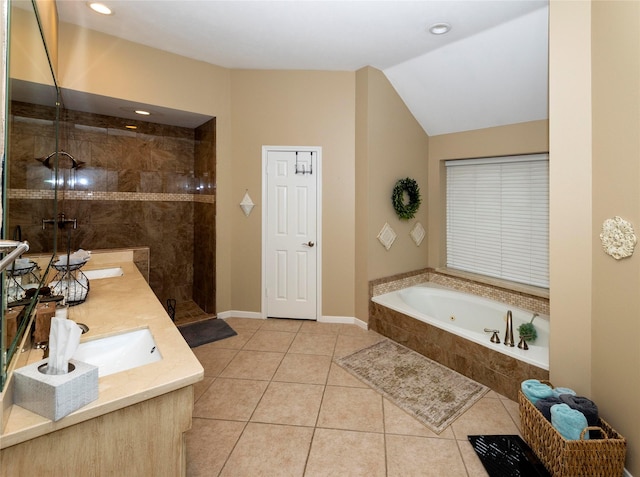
[[309, 244]]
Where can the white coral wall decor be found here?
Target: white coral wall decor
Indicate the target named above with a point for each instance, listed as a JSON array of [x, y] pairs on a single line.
[[618, 238]]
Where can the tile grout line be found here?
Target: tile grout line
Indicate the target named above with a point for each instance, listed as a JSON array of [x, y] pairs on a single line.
[[248, 421]]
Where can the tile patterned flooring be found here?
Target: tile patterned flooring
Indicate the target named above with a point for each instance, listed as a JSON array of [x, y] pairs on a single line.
[[272, 403]]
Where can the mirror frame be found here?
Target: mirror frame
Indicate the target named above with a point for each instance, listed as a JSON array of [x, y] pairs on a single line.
[[8, 350]]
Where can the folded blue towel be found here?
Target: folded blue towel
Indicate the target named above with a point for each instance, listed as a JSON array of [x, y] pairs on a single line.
[[544, 406], [569, 422], [534, 390], [587, 407], [558, 391]]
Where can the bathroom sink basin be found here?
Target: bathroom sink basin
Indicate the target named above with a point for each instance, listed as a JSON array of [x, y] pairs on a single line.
[[117, 353], [103, 273]]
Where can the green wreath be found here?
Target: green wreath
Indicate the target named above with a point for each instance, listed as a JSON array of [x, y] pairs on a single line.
[[406, 210]]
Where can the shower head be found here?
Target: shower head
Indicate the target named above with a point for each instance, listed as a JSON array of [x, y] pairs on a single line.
[[46, 161]]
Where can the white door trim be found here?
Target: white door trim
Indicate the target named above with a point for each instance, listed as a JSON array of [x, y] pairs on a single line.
[[317, 169]]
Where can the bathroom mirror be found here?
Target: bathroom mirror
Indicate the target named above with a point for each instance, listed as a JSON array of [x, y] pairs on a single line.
[[32, 102]]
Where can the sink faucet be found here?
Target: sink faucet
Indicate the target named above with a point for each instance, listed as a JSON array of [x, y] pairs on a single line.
[[508, 335]]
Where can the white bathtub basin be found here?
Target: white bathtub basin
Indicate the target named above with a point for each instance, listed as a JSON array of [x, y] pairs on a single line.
[[119, 352], [103, 273]]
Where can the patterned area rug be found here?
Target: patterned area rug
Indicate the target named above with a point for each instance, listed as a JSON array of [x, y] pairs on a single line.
[[429, 391]]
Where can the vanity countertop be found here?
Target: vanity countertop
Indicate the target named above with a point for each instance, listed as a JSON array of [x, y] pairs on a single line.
[[116, 305]]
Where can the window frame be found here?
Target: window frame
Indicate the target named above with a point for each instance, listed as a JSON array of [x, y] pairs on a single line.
[[512, 190]]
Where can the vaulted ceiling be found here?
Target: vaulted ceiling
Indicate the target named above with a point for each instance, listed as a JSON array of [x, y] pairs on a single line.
[[489, 70]]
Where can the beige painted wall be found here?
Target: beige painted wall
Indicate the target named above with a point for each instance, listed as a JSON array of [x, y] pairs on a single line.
[[103, 64], [398, 148], [615, 349], [570, 194], [392, 146], [28, 58], [361, 286], [48, 14], [522, 138], [595, 174], [294, 108]]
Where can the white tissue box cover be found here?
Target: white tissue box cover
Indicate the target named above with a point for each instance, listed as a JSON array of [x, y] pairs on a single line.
[[55, 396]]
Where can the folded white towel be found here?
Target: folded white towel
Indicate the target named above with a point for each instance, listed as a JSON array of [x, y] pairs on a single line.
[[75, 258]]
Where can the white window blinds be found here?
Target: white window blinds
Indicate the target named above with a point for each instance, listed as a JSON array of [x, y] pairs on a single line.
[[498, 217]]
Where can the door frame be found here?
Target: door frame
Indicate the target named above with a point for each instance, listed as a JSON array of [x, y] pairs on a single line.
[[317, 170]]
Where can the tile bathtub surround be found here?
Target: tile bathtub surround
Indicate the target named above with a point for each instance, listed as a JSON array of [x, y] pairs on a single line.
[[501, 373], [154, 187], [398, 282], [297, 413]]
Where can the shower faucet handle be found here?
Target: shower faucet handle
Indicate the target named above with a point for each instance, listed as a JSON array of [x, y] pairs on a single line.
[[61, 221]]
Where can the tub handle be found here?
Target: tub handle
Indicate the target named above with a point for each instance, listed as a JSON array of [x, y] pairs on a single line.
[[494, 337]]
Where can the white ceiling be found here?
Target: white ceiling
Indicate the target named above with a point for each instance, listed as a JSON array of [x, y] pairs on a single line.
[[489, 70]]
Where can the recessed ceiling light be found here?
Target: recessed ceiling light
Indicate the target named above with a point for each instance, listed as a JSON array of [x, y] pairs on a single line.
[[100, 8], [143, 112], [439, 28]]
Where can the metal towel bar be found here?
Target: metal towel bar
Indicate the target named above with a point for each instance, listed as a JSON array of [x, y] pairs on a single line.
[[17, 249]]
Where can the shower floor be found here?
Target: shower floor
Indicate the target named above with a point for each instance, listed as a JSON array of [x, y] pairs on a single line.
[[189, 312]]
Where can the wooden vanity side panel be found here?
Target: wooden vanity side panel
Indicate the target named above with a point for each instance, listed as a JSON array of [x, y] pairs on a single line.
[[145, 439]]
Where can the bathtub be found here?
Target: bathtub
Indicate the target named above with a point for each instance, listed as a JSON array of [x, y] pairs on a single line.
[[447, 326], [467, 316]]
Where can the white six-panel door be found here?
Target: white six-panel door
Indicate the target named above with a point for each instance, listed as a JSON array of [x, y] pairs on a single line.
[[290, 216]]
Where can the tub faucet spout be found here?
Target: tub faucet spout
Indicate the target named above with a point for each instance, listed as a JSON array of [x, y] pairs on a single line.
[[508, 335]]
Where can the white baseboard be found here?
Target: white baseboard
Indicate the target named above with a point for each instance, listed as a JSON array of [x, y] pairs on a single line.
[[348, 320], [240, 314]]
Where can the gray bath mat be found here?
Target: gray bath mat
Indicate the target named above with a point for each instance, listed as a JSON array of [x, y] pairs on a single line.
[[432, 393], [207, 331]]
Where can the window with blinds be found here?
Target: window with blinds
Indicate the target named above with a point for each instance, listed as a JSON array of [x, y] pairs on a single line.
[[498, 217]]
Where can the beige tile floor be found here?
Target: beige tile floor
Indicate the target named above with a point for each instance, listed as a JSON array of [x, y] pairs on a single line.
[[272, 403]]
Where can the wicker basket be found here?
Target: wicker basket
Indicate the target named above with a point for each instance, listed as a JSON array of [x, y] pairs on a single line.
[[603, 457]]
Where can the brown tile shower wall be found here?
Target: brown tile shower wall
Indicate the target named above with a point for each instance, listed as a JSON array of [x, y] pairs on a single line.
[[204, 218], [501, 373], [142, 188]]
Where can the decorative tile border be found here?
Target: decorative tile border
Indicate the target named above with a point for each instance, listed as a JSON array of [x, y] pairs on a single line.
[[30, 194], [97, 195], [398, 282], [510, 297]]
